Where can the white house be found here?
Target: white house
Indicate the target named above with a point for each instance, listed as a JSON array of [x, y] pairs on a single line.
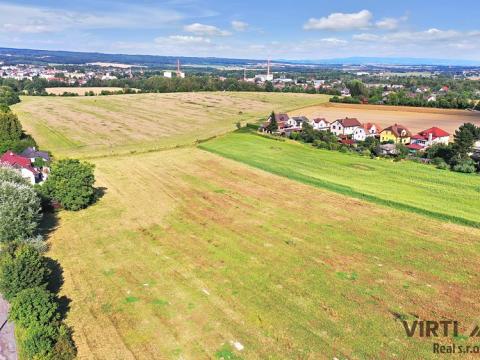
[[431, 136], [345, 126], [371, 129], [320, 124], [359, 134], [297, 121]]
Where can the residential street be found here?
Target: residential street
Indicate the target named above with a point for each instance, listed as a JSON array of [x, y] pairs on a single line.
[[8, 350]]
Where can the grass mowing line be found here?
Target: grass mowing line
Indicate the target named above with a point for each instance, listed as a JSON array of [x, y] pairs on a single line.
[[343, 189]]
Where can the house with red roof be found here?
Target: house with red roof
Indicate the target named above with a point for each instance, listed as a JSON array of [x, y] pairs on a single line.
[[22, 164], [281, 120], [429, 137], [345, 126]]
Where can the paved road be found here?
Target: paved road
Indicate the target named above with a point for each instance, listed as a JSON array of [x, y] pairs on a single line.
[[8, 349]]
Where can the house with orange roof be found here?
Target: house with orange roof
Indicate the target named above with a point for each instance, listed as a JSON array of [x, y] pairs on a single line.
[[372, 129]]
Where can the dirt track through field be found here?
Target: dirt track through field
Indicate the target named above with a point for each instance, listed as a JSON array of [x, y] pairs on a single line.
[[416, 119]]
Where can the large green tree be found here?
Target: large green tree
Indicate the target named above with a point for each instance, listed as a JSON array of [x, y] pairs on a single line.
[[10, 127], [8, 96], [71, 183], [464, 138], [357, 88]]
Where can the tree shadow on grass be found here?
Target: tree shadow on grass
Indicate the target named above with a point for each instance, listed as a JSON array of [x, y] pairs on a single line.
[[99, 194], [56, 275], [54, 285], [48, 223]]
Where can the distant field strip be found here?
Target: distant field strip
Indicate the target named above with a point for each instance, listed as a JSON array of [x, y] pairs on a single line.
[[405, 185], [121, 124]]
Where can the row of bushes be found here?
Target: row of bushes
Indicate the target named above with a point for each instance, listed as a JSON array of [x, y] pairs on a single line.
[[26, 279]]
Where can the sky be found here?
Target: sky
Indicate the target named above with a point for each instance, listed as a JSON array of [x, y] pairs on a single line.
[[252, 29]]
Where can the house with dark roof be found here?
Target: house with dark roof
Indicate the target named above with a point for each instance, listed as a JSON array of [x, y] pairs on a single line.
[[297, 121], [429, 137], [32, 153], [399, 134]]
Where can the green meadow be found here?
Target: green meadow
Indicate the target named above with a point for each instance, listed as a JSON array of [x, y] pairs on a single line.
[[404, 185]]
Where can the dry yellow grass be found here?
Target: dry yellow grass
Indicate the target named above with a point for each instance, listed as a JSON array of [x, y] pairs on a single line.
[[187, 251], [108, 125], [414, 118], [79, 90]]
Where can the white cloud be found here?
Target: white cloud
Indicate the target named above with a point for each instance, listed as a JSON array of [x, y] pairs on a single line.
[[340, 21], [388, 23], [239, 25], [184, 39], [202, 29], [32, 19]]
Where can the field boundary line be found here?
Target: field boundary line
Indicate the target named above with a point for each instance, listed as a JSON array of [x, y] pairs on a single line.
[[348, 191]]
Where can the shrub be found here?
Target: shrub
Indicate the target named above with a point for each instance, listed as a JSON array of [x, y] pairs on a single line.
[[440, 163], [71, 183], [39, 341], [19, 211], [4, 108], [465, 166], [24, 268], [34, 306], [9, 174], [64, 348]]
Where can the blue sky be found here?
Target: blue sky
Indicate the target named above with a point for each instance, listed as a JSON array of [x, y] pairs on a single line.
[[314, 29]]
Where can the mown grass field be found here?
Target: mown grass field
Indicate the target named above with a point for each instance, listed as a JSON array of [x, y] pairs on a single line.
[[109, 125], [405, 185], [188, 251]]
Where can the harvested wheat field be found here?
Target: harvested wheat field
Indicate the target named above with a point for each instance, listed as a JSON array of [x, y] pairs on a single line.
[[414, 118], [105, 125], [188, 253], [80, 90]]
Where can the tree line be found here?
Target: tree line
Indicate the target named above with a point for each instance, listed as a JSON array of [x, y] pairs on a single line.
[[28, 279]]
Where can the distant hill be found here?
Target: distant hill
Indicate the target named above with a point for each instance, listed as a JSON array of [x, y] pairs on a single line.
[[29, 56], [387, 61]]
